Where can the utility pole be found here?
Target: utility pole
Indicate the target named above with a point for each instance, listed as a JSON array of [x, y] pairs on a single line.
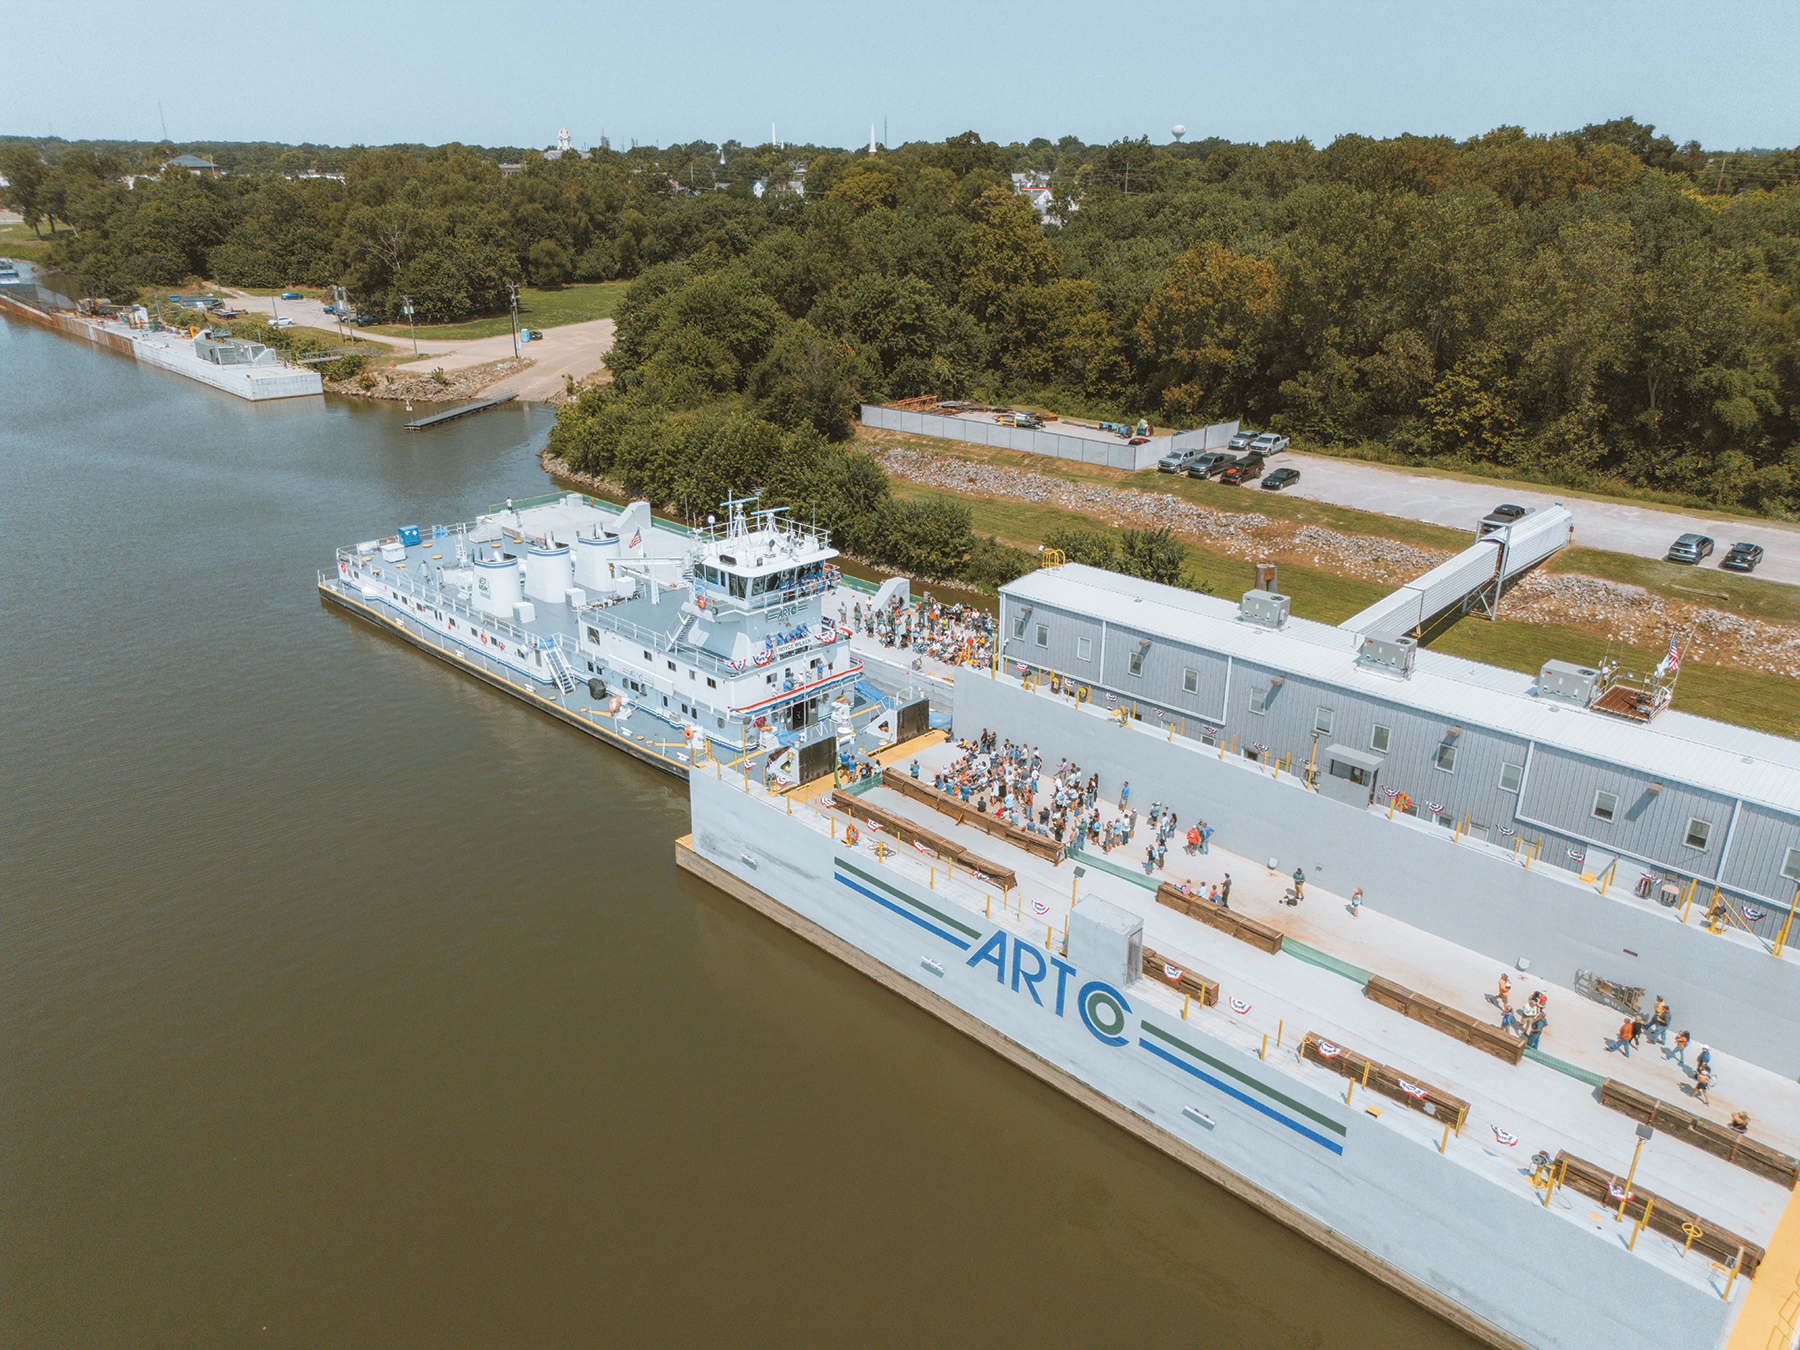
[[407, 308], [514, 289]]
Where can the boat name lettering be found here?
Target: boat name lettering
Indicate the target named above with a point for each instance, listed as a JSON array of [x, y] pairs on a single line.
[[1103, 1009]]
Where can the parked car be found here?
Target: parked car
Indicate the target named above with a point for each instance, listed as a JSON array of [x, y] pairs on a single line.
[[292, 295], [1269, 443], [1498, 518], [1690, 548], [1176, 460], [364, 320], [1742, 557], [1280, 478], [281, 321], [1245, 470], [1027, 420], [1210, 464], [1241, 442]]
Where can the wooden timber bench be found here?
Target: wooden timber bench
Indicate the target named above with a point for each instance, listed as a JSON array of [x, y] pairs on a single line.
[[1469, 1030], [1701, 1133], [1229, 922], [1181, 978], [1040, 844], [1666, 1216], [1385, 1079], [906, 832]]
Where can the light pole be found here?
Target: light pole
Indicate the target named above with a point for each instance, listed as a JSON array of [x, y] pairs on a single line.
[[407, 309], [514, 289]]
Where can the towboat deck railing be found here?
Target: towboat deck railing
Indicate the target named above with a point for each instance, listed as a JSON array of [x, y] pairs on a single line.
[[440, 597]]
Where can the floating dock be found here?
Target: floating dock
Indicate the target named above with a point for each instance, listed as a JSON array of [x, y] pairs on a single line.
[[438, 418]]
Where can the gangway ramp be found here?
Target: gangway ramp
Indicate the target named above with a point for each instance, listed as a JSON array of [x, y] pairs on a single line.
[[1476, 576]]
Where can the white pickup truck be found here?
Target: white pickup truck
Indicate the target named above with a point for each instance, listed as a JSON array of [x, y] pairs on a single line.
[[1269, 443]]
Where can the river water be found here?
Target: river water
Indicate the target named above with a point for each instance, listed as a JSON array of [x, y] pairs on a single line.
[[345, 1002]]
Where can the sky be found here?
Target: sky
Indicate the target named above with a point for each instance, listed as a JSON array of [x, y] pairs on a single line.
[[380, 71]]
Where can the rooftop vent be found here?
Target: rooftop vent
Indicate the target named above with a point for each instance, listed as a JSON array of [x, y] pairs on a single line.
[[1390, 654], [1264, 608], [1265, 576]]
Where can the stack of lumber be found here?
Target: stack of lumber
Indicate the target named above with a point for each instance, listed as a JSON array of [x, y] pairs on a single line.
[[1183, 979], [1229, 922], [1701, 1132], [1469, 1030], [903, 831], [1385, 1079], [1665, 1215], [1041, 844]]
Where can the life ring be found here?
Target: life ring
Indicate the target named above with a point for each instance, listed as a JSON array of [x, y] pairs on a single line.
[[701, 602], [762, 721], [1402, 802], [851, 836], [484, 637], [343, 569], [688, 732]]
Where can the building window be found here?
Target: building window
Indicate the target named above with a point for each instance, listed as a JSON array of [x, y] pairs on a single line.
[[711, 683], [1019, 626], [1606, 804], [1699, 831], [1043, 635], [1379, 740], [1190, 681], [594, 635], [646, 656], [1259, 700], [1322, 722], [1137, 663], [1791, 868], [671, 665], [1445, 758], [1084, 649], [1210, 736]]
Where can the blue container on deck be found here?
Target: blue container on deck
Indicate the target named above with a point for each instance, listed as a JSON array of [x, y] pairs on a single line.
[[409, 535]]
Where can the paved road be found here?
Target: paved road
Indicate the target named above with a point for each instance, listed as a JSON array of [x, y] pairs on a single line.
[[1641, 530], [576, 349]]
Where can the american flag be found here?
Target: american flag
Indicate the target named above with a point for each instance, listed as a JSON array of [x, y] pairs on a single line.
[[1673, 659], [637, 537]]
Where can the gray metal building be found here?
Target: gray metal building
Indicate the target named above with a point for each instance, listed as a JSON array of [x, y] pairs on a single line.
[[1473, 746]]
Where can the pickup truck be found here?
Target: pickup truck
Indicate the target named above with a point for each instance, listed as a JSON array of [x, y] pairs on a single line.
[[1269, 443], [1176, 461], [1210, 464]]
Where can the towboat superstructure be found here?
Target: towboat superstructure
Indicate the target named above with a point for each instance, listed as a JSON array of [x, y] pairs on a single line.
[[721, 632]]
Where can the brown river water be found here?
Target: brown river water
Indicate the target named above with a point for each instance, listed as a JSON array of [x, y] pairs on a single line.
[[344, 1002]]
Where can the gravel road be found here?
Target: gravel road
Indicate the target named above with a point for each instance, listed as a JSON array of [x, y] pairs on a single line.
[[1642, 530]]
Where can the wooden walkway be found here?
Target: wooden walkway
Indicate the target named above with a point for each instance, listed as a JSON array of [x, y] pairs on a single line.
[[463, 411]]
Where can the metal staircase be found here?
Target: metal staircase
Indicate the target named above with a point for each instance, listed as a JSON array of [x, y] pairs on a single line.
[[559, 670]]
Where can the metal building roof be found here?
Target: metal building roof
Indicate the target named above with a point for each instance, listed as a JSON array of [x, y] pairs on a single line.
[[1732, 761]]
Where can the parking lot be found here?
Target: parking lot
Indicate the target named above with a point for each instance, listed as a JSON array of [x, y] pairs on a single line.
[[1646, 531]]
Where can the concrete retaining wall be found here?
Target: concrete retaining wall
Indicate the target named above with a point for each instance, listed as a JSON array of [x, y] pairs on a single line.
[[1727, 992], [1114, 454]]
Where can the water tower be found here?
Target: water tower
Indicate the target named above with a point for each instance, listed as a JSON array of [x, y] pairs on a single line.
[[1178, 131]]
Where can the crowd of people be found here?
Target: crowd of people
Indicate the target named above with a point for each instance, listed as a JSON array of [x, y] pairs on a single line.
[[1013, 783], [956, 634], [1636, 1032]]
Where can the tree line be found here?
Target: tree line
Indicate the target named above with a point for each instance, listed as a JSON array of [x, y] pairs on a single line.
[[1595, 308]]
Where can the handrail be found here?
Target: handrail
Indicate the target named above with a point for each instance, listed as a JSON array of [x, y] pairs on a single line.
[[438, 595]]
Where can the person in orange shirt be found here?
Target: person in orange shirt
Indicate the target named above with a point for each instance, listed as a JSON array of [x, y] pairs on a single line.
[[1505, 992]]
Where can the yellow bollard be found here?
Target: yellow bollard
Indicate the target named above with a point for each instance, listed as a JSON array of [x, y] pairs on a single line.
[[987, 907], [1184, 1007], [1444, 1143], [1643, 1219], [1348, 1089], [1278, 1025], [1049, 936], [1736, 1266], [934, 878], [1264, 1052]]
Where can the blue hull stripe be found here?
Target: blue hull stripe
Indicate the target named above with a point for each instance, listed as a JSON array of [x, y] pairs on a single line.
[[929, 927], [1243, 1097]]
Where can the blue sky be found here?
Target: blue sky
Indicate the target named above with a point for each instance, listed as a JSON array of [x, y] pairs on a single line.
[[378, 71]]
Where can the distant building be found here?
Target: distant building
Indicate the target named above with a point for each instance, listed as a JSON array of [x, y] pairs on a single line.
[[194, 164], [562, 147], [1035, 187]]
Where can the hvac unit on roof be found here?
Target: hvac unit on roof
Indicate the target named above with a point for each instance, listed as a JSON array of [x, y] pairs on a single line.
[[1264, 608], [1391, 654]]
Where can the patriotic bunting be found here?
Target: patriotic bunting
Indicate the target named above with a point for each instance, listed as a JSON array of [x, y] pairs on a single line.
[[1508, 831], [1577, 857], [1751, 915], [1506, 1137], [1436, 808], [1617, 1191], [1173, 972], [1411, 1089], [920, 847], [1039, 907], [1239, 1007], [1330, 1051]]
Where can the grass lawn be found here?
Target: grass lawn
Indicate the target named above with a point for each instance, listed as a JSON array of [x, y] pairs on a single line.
[[537, 309], [18, 240], [310, 292], [1764, 702]]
